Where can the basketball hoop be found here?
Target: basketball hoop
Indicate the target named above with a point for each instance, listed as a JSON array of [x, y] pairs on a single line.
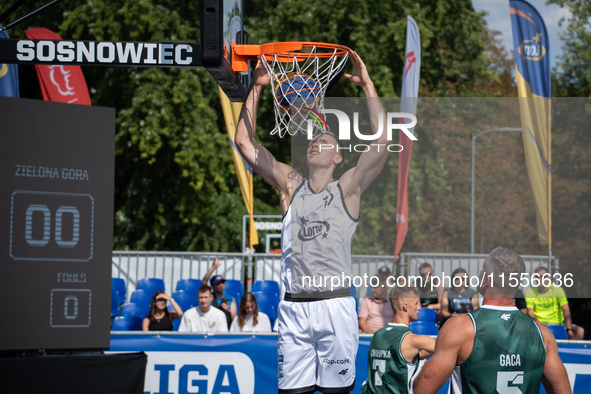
[[300, 73]]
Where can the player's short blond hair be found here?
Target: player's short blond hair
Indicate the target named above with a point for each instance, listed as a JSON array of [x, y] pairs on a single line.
[[402, 292]]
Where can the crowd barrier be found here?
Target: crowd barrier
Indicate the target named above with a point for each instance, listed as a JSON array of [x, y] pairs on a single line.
[[184, 363], [172, 266]]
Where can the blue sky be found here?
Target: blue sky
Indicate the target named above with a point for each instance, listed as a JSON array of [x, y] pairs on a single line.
[[498, 18]]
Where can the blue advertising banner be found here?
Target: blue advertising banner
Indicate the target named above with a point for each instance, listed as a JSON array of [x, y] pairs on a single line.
[[247, 364]]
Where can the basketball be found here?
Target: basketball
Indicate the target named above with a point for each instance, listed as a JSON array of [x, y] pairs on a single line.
[[297, 90]]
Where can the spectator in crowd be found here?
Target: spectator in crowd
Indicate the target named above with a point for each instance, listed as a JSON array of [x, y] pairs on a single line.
[[519, 301], [221, 300], [375, 310], [204, 318], [458, 299], [430, 298], [385, 271], [159, 318], [548, 304], [249, 318]]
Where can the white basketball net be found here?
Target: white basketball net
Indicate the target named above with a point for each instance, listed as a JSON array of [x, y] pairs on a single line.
[[322, 70]]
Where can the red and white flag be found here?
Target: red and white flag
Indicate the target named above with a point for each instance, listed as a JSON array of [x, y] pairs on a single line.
[[64, 84], [410, 92]]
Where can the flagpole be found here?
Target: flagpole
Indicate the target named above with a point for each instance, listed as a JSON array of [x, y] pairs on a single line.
[[550, 186]]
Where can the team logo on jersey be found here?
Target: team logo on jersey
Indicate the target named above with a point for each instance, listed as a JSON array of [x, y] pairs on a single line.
[[313, 229], [506, 316], [328, 199]]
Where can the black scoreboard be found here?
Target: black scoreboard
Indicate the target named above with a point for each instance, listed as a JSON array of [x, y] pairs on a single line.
[[56, 224]]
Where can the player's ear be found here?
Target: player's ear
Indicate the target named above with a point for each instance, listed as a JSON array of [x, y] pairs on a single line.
[[338, 159], [404, 307]]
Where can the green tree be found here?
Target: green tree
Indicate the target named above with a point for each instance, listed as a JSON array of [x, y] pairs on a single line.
[[572, 77]]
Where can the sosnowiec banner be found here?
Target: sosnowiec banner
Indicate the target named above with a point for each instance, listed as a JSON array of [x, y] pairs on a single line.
[[243, 170], [64, 84], [532, 64], [8, 76], [410, 92]]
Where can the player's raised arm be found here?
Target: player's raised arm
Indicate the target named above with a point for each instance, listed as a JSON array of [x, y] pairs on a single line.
[[370, 163], [554, 377], [259, 158]]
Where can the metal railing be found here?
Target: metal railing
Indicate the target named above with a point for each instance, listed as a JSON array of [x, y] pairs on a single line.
[[172, 266]]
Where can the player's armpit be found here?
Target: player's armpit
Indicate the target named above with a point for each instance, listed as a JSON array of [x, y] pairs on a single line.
[[449, 345], [554, 377], [413, 344]]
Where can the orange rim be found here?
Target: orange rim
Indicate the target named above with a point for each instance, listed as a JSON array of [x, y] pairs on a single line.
[[285, 52]]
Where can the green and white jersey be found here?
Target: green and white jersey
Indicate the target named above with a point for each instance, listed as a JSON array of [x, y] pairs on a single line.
[[508, 354], [387, 370]]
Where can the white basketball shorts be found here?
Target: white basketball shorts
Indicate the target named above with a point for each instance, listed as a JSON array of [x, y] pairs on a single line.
[[317, 345]]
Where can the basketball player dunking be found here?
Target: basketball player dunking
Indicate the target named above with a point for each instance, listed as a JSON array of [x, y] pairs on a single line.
[[318, 328], [496, 348]]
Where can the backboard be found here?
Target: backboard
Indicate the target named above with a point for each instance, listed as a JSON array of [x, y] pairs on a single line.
[[221, 28]]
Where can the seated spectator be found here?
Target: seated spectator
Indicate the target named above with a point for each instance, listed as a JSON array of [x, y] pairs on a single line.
[[375, 310], [458, 299], [204, 318], [221, 300], [385, 271], [159, 318], [519, 301], [249, 319], [430, 298], [549, 305]]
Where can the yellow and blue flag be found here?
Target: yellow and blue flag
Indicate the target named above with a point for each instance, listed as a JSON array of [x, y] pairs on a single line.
[[243, 170], [532, 64], [8, 76]]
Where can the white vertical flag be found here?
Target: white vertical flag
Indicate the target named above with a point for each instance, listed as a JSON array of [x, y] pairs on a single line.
[[410, 92]]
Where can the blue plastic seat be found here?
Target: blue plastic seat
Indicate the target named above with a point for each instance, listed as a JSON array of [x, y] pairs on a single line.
[[141, 297], [264, 297], [126, 323], [135, 310], [186, 300], [176, 324], [114, 303], [237, 296], [269, 310], [558, 331], [424, 327], [426, 314], [266, 286], [188, 285], [150, 285], [234, 286], [118, 285]]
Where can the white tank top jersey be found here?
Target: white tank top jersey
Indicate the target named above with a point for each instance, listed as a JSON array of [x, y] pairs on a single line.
[[316, 240]]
